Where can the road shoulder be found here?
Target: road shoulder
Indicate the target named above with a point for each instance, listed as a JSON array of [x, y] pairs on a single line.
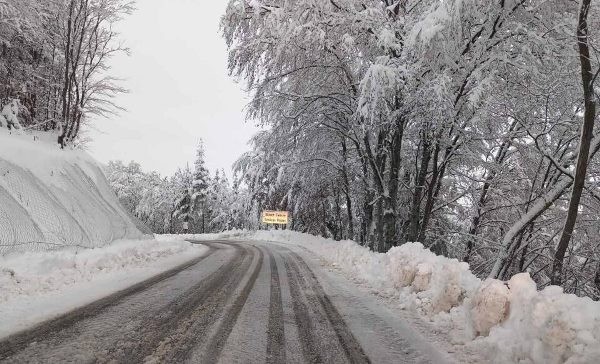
[[37, 287]]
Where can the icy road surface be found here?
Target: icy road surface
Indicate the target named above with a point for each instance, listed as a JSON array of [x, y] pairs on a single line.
[[240, 303]]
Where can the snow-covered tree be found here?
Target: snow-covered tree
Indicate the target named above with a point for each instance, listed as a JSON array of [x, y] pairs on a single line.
[[201, 182], [453, 123], [184, 207], [149, 196], [55, 60]]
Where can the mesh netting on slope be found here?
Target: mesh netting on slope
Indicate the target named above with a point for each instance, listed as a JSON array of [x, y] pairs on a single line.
[[66, 207]]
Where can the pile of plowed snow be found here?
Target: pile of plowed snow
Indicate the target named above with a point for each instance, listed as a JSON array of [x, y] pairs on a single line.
[[51, 198], [512, 322]]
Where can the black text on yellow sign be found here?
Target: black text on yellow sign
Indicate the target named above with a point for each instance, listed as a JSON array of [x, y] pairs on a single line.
[[275, 217]]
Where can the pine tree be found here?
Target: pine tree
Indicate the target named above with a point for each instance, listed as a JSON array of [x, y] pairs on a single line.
[[184, 208], [200, 188]]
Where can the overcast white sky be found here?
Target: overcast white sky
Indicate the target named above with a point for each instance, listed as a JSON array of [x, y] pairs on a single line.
[[180, 91]]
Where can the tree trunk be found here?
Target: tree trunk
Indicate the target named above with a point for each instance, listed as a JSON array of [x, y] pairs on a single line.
[[476, 220], [415, 212], [597, 280], [435, 178], [347, 192], [373, 203], [66, 84], [391, 199], [587, 78]]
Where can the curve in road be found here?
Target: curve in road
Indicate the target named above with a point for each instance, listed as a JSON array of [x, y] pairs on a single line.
[[241, 302]]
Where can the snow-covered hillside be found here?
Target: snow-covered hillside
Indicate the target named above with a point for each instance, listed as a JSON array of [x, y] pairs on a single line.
[[50, 198]]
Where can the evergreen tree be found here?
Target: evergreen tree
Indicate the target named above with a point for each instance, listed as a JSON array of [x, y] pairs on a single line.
[[184, 208], [200, 186], [220, 203]]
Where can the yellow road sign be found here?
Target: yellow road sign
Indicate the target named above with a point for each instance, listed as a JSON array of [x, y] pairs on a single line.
[[275, 217]]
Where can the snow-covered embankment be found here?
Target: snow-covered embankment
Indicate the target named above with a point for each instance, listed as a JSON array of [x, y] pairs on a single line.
[[50, 198], [65, 240]]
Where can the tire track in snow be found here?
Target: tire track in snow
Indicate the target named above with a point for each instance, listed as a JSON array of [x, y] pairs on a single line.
[[303, 279], [275, 328], [218, 340], [352, 348], [179, 329], [309, 347]]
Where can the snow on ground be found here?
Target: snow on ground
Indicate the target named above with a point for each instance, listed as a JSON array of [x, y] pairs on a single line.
[[509, 322], [36, 286]]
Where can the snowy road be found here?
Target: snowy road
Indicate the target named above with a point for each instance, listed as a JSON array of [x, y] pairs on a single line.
[[242, 302]]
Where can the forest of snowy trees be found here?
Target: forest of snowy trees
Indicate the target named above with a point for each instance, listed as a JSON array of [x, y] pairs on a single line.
[[467, 125], [463, 124], [54, 63], [208, 204]]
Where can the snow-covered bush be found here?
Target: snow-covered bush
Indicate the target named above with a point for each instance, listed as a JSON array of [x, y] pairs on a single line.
[[9, 117]]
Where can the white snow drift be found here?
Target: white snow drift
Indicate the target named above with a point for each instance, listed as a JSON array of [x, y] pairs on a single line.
[[512, 321]]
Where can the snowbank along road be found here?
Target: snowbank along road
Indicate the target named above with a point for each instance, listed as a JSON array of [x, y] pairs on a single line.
[[241, 302]]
